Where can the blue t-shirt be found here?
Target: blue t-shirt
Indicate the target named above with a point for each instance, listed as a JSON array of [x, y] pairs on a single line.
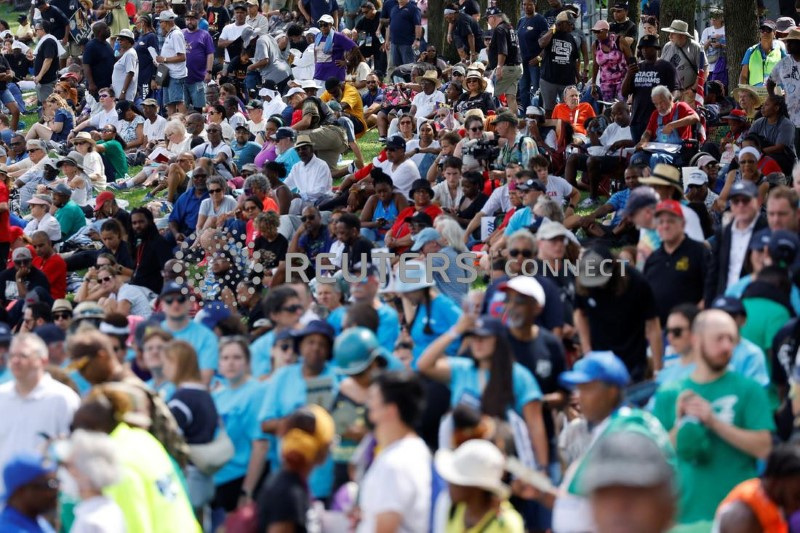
[[388, 324], [239, 409], [67, 120], [186, 210], [244, 154], [13, 520], [522, 218], [317, 8], [529, 29], [165, 390], [737, 289], [202, 339], [319, 245], [289, 158], [402, 21], [465, 379], [443, 314], [618, 201], [286, 393], [261, 355]]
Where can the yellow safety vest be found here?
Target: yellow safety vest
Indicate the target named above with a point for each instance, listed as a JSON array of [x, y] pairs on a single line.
[[760, 67]]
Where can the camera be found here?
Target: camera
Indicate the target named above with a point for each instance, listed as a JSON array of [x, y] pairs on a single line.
[[484, 150]]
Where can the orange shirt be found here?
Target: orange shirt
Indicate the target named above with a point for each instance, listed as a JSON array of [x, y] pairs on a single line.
[[577, 117]]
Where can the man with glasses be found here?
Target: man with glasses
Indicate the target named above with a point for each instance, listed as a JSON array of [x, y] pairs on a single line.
[[35, 315], [244, 150], [176, 304], [761, 58], [46, 62], [16, 282], [368, 39], [372, 100], [183, 219], [215, 149], [311, 238], [309, 180], [107, 114], [61, 313], [18, 150], [730, 247]]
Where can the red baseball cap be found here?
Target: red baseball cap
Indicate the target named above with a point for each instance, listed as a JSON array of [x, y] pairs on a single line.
[[102, 198], [669, 206]]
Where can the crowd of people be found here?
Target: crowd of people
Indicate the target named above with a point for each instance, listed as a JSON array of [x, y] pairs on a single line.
[[561, 295]]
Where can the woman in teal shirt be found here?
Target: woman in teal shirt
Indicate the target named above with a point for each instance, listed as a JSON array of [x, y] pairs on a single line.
[[491, 378], [112, 149], [238, 404]]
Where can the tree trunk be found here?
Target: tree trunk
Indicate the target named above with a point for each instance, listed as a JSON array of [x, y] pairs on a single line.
[[511, 10], [437, 31], [680, 10], [741, 32], [542, 6]]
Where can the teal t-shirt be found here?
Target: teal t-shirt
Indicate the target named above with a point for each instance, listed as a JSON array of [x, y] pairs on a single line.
[[202, 339], [735, 400], [116, 156], [71, 218], [465, 379]]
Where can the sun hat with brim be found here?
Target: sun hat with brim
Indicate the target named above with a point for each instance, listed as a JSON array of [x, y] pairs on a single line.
[[679, 27], [794, 35], [84, 136], [41, 199], [23, 468], [475, 74], [601, 25], [602, 366], [420, 185], [127, 34], [627, 458], [664, 174], [590, 271], [303, 140], [431, 76], [476, 463], [315, 327], [167, 16], [785, 24], [755, 93], [526, 286], [88, 310], [326, 18], [413, 276], [62, 304]]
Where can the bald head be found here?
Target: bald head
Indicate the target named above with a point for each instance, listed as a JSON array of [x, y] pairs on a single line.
[[715, 337]]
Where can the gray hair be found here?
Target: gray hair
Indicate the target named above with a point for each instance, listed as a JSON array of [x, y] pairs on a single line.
[[550, 208], [219, 180], [33, 343], [93, 455], [452, 233], [257, 181], [175, 126], [662, 91], [523, 235], [796, 171]]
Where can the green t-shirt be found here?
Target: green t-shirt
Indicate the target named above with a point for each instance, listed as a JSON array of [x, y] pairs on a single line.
[[736, 400], [116, 156], [765, 318], [71, 218]]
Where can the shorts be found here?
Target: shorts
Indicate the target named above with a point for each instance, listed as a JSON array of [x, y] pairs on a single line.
[[550, 93], [509, 84], [174, 93], [195, 95], [7, 98]]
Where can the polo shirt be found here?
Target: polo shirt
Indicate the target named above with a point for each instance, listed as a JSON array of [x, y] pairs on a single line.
[[202, 339], [71, 218], [402, 22], [46, 410], [186, 210], [677, 277]]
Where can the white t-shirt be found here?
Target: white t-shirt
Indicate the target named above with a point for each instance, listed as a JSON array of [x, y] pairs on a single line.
[[154, 131], [174, 44], [693, 228], [613, 133], [128, 62], [94, 167], [413, 144], [207, 207], [712, 54], [99, 513], [231, 32], [206, 150], [47, 409], [136, 296], [425, 103], [785, 74], [559, 189], [498, 201], [403, 176], [103, 118], [402, 470]]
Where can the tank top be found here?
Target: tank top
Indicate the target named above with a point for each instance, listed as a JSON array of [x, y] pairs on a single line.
[[388, 212], [613, 66]]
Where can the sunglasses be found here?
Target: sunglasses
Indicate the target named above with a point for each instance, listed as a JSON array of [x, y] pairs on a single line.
[[477, 128], [766, 30], [292, 308], [457, 74], [17, 144], [34, 149], [199, 176], [214, 191], [675, 332], [713, 164], [169, 300], [62, 316], [324, 24], [524, 253], [104, 96], [406, 123], [248, 192], [22, 262], [308, 218], [741, 200], [105, 280]]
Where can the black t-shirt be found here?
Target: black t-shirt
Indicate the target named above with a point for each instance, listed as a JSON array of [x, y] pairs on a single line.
[[560, 57], [47, 49], [358, 252], [58, 20], [20, 64], [8, 282], [367, 30], [470, 7], [463, 27], [650, 75], [284, 498], [624, 29], [678, 277], [550, 16], [124, 218], [100, 55], [4, 67], [274, 251], [68, 7], [195, 413], [483, 101], [506, 42], [150, 257], [544, 357], [218, 18], [617, 321], [472, 209]]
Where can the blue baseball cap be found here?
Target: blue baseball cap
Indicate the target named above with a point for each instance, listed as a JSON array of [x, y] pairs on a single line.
[[488, 326], [729, 304], [744, 188], [22, 469], [783, 247], [424, 237], [172, 287], [597, 366], [212, 314], [319, 327], [760, 240], [50, 333]]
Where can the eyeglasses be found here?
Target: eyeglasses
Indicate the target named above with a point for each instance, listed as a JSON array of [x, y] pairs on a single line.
[[22, 262], [712, 164], [292, 308], [214, 191], [405, 123], [78, 143], [169, 300], [65, 315], [34, 149], [472, 80], [524, 253], [740, 200], [105, 280], [476, 128], [109, 131], [308, 218], [17, 144], [457, 74], [324, 24], [766, 30], [675, 332], [199, 176], [104, 96]]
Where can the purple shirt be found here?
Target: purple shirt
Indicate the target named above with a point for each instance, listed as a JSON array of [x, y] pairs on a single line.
[[199, 45], [325, 66]]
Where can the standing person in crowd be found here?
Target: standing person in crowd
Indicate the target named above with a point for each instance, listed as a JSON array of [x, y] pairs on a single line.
[[761, 58], [173, 54], [404, 31], [560, 63], [783, 74], [330, 47], [46, 62], [125, 76], [98, 59], [684, 54], [199, 61], [504, 57], [529, 28], [715, 45]]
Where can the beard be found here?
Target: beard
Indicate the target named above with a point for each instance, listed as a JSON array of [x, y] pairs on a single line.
[[714, 363]]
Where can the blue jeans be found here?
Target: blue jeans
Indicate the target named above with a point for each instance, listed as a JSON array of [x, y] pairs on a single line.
[[252, 80], [174, 93], [195, 95], [528, 84], [13, 88], [372, 235], [402, 54]]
